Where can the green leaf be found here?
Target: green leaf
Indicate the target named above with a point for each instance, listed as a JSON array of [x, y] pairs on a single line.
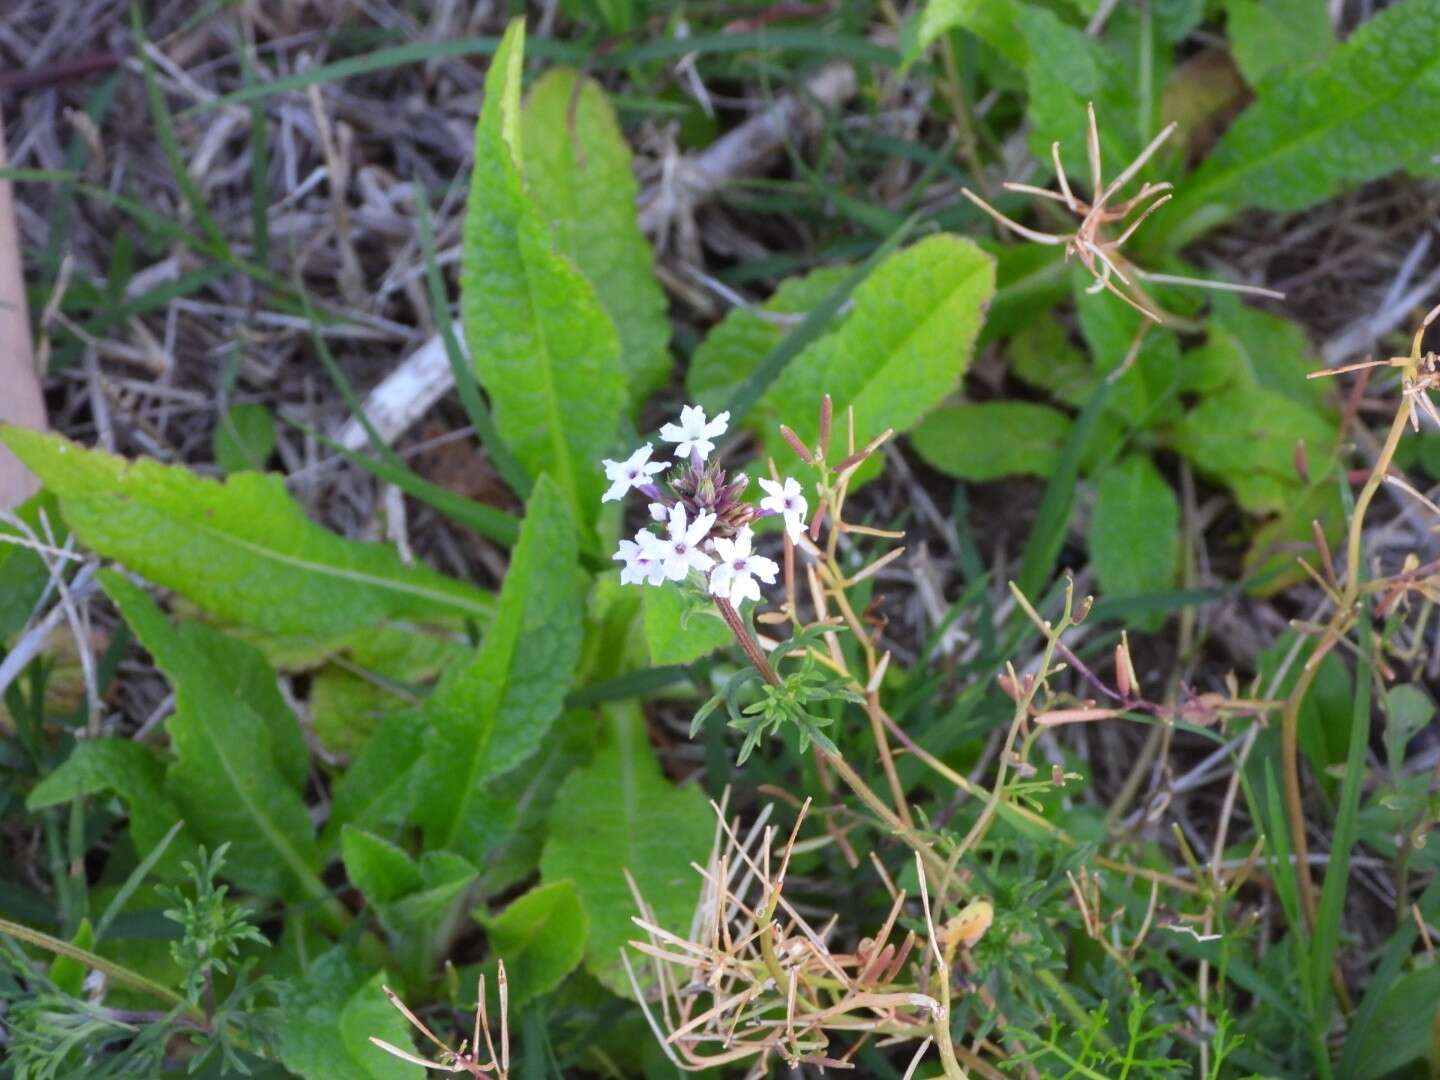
[[244, 439], [1317, 129], [226, 779], [735, 347], [680, 628], [1404, 1026], [379, 786], [540, 937], [132, 771], [1135, 532], [327, 1017], [1276, 35], [1042, 356], [992, 439], [543, 346], [1246, 437], [579, 172], [241, 550], [1147, 394], [1407, 710], [376, 676], [993, 21], [378, 868], [616, 814], [23, 576], [898, 354], [490, 715], [67, 972]]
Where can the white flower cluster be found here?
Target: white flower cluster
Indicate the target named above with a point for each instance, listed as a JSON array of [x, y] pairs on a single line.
[[706, 527]]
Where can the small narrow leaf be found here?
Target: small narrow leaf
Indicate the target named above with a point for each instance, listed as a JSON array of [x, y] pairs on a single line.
[[543, 347]]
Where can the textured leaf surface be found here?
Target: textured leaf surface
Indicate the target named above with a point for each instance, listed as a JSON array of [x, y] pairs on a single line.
[[901, 349], [1134, 530], [1318, 129], [490, 715], [225, 777], [543, 346], [378, 787], [991, 439], [541, 937], [579, 172], [327, 1017], [244, 438], [733, 349], [241, 550], [680, 630], [619, 813], [130, 770], [1275, 35]]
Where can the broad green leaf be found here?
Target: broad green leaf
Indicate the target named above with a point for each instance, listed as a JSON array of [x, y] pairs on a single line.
[[898, 354], [993, 21], [1246, 438], [491, 714], [1249, 347], [1276, 35], [679, 629], [241, 550], [244, 438], [129, 769], [620, 814], [543, 346], [1317, 129], [733, 349], [1135, 532], [1042, 356], [540, 937], [225, 778], [328, 1015], [988, 440], [1404, 1027], [578, 170]]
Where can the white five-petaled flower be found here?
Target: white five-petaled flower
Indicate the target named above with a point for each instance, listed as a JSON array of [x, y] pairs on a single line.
[[641, 567], [693, 433], [679, 550], [635, 470], [786, 499], [736, 569]]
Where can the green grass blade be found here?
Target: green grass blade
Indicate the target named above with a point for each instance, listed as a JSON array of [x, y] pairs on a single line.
[[135, 880], [169, 143], [1326, 939]]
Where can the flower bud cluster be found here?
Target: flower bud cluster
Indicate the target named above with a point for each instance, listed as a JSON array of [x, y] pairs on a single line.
[[705, 524]]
